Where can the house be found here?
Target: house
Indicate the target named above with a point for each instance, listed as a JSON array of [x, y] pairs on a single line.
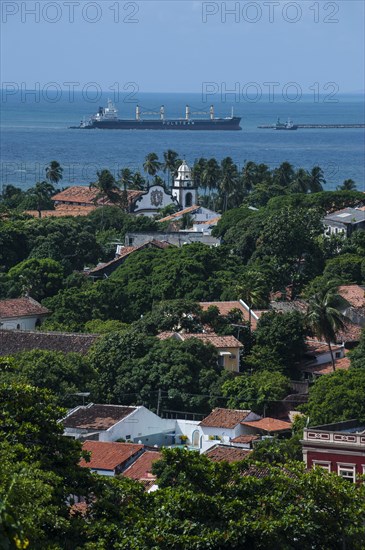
[[224, 425], [338, 447], [21, 314], [141, 469], [197, 214], [228, 347], [84, 196], [344, 222], [15, 341], [317, 358], [103, 270], [176, 238], [267, 426], [226, 307], [355, 297], [114, 422], [245, 441], [110, 459]]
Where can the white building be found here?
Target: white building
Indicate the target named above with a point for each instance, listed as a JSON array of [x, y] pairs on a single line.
[[183, 189], [21, 314]]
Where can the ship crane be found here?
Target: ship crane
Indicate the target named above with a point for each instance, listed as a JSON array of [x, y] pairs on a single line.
[[188, 112], [161, 112]]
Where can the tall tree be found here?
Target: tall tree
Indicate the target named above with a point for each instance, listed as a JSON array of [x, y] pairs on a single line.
[[54, 172], [316, 180], [107, 188], [41, 194], [325, 318], [348, 185], [253, 291], [170, 164], [151, 164], [228, 181]]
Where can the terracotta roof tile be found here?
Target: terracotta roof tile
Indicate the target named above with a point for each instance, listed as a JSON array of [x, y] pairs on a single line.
[[353, 294], [218, 453], [326, 368], [227, 307], [16, 341], [351, 333], [245, 438], [224, 418], [268, 424], [180, 214], [107, 456], [83, 194], [21, 307], [141, 469], [62, 211], [217, 341], [97, 417], [316, 347]]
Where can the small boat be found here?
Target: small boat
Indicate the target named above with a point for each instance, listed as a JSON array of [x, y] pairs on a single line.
[[288, 125]]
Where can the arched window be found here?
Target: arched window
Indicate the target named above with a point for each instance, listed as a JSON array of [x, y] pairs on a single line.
[[188, 199]]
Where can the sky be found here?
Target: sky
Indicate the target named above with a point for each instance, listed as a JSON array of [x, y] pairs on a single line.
[[184, 45]]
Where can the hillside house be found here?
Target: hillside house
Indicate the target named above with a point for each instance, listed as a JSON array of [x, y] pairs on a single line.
[[224, 425], [21, 314], [338, 448], [110, 459], [344, 222]]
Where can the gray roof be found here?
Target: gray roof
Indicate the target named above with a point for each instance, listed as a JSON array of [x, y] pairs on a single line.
[[346, 216], [16, 341]]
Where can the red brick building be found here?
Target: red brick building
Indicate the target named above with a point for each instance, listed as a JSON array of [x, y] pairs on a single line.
[[338, 448]]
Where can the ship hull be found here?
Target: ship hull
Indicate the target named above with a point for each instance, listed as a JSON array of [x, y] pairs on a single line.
[[230, 124]]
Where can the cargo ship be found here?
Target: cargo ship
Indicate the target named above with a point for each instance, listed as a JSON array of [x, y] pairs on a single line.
[[107, 119], [288, 125]]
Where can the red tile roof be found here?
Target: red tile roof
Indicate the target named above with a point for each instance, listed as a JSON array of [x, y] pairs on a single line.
[[353, 294], [16, 341], [218, 453], [326, 368], [21, 307], [83, 194], [97, 417], [141, 469], [107, 456], [217, 341], [62, 211], [351, 333], [180, 214], [126, 251], [268, 425], [224, 418], [226, 307], [316, 347], [245, 438]]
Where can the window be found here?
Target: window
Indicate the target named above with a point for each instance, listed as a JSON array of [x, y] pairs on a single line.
[[127, 436], [130, 241], [319, 464], [221, 360], [346, 471]]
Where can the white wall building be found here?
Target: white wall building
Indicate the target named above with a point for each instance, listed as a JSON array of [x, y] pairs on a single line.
[[21, 314], [183, 189]]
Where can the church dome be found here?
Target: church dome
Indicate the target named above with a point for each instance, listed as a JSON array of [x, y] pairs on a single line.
[[184, 169]]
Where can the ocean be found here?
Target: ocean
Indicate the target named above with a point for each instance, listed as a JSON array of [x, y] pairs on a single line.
[[35, 130]]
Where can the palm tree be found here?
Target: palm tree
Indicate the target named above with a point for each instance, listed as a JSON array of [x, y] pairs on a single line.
[[107, 188], [139, 182], [54, 172], [151, 164], [126, 178], [229, 179], [198, 171], [171, 163], [348, 185], [211, 175], [42, 192], [284, 175], [252, 289], [316, 180], [324, 316]]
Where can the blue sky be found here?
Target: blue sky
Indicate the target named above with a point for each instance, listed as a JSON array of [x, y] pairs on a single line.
[[177, 46]]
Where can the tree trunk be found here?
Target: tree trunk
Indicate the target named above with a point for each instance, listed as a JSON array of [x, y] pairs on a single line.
[[332, 358]]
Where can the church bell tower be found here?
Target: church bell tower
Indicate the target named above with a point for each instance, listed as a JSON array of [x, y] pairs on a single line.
[[183, 189]]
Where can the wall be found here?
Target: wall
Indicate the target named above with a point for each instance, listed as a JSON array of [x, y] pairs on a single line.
[[25, 323], [231, 364], [139, 423], [152, 201]]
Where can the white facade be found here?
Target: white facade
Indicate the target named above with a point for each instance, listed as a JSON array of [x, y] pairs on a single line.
[[150, 203], [183, 189], [21, 323], [139, 423]]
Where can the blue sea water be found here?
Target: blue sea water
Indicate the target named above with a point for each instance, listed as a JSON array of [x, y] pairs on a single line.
[[35, 132]]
